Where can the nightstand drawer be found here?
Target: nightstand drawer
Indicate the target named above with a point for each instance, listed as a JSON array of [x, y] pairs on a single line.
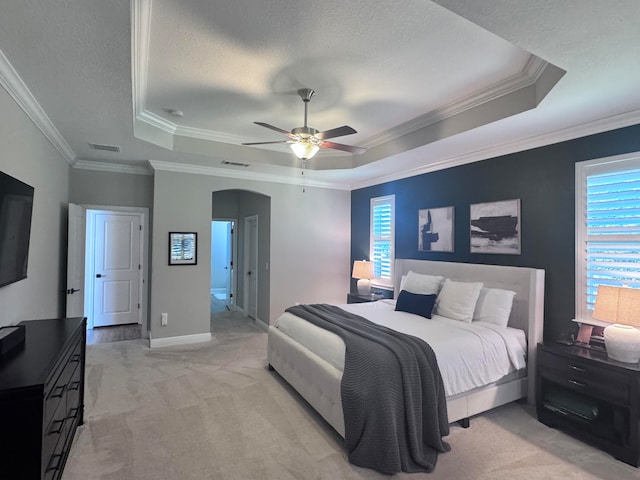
[[584, 376]]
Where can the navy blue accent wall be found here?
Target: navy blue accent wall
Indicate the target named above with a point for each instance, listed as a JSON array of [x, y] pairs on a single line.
[[544, 181]]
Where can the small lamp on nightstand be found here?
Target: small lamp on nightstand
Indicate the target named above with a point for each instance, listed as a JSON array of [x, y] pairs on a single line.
[[621, 307], [363, 271]]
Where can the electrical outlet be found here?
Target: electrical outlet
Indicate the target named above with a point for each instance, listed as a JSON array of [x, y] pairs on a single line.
[[165, 319]]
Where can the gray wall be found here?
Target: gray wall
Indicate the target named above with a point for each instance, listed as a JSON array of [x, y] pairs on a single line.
[[91, 187], [28, 156], [309, 248]]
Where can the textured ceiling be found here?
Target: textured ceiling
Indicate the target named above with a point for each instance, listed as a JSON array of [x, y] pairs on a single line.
[[429, 85]]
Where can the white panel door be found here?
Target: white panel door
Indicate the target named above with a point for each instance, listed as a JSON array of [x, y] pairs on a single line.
[[117, 269], [75, 261]]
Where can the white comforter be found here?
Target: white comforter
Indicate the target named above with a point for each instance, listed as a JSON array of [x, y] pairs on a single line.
[[470, 355]]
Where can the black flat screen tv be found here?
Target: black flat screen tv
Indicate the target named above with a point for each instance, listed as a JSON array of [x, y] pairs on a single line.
[[16, 205]]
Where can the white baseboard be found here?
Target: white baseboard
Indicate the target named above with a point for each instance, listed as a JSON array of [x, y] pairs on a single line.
[[261, 325], [181, 340]]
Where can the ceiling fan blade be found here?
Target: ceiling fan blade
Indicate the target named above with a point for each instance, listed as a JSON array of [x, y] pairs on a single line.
[[267, 143], [336, 132], [277, 129], [346, 148]]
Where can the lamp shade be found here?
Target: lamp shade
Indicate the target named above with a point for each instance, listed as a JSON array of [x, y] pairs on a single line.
[[621, 307], [304, 150], [363, 270], [618, 305]]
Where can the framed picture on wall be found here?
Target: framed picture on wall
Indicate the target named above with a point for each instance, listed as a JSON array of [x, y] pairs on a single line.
[[495, 227], [183, 248], [435, 229]]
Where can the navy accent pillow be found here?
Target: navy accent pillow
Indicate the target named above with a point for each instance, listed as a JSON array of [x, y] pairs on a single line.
[[415, 303]]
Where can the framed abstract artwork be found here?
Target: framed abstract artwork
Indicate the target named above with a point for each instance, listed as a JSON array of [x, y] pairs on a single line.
[[495, 227], [435, 229], [183, 248]]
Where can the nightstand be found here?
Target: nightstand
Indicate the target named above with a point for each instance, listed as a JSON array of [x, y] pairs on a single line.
[[357, 298], [596, 399]]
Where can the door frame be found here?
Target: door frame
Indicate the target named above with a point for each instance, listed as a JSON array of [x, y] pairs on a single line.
[[91, 212], [247, 248], [234, 259]]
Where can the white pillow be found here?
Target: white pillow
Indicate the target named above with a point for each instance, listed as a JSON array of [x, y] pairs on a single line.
[[422, 284], [494, 306], [457, 300]]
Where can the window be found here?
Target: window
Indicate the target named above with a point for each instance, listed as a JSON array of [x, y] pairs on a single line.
[[607, 227], [381, 240]]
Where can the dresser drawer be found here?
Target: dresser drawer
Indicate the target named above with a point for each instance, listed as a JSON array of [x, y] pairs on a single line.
[[55, 390], [54, 437], [585, 376]]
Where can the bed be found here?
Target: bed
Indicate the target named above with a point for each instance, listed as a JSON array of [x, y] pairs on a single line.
[[309, 358]]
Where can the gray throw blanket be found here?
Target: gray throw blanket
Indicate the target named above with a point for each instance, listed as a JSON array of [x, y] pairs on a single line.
[[395, 411]]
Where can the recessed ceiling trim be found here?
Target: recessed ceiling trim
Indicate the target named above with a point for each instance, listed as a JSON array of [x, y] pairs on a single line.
[[18, 90], [603, 125], [112, 167], [157, 121], [242, 175], [202, 134], [141, 35], [527, 77]]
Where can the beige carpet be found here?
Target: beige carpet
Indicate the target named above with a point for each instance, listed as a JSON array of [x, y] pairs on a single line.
[[214, 411]]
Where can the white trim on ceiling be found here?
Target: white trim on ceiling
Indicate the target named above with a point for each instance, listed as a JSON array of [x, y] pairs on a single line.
[[140, 37], [113, 167], [231, 173], [527, 77], [141, 28], [599, 126], [18, 90]]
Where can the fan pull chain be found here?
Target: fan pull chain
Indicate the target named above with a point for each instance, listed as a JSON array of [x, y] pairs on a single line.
[[304, 180]]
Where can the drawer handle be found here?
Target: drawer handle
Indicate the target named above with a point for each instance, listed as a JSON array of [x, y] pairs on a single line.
[[73, 413], [59, 429], [58, 391], [577, 384], [74, 386], [75, 358], [577, 369], [58, 460]]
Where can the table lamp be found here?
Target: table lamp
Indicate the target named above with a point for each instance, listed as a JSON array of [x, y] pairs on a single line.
[[621, 307], [363, 271]]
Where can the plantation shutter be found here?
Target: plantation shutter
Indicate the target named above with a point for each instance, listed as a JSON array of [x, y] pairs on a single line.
[[611, 230], [382, 249]]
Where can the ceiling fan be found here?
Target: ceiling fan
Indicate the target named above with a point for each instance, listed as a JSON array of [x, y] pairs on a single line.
[[306, 141]]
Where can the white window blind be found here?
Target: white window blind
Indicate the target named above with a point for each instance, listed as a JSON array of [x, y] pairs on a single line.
[[607, 227], [382, 239]]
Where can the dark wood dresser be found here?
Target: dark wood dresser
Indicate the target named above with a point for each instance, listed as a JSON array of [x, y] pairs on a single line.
[[41, 398], [585, 393]]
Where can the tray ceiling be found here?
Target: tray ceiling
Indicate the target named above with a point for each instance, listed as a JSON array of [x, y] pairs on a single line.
[[180, 82]]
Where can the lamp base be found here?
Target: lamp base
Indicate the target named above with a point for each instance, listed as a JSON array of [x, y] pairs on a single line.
[[622, 343], [364, 286]]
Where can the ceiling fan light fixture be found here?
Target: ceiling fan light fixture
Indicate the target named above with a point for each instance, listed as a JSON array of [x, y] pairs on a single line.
[[304, 150]]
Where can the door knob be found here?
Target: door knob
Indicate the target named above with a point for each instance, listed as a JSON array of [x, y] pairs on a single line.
[[72, 291], [99, 275]]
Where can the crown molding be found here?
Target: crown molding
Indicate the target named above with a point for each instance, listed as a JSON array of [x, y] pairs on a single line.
[[241, 175], [112, 167], [140, 38], [17, 89], [524, 79], [591, 128]]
